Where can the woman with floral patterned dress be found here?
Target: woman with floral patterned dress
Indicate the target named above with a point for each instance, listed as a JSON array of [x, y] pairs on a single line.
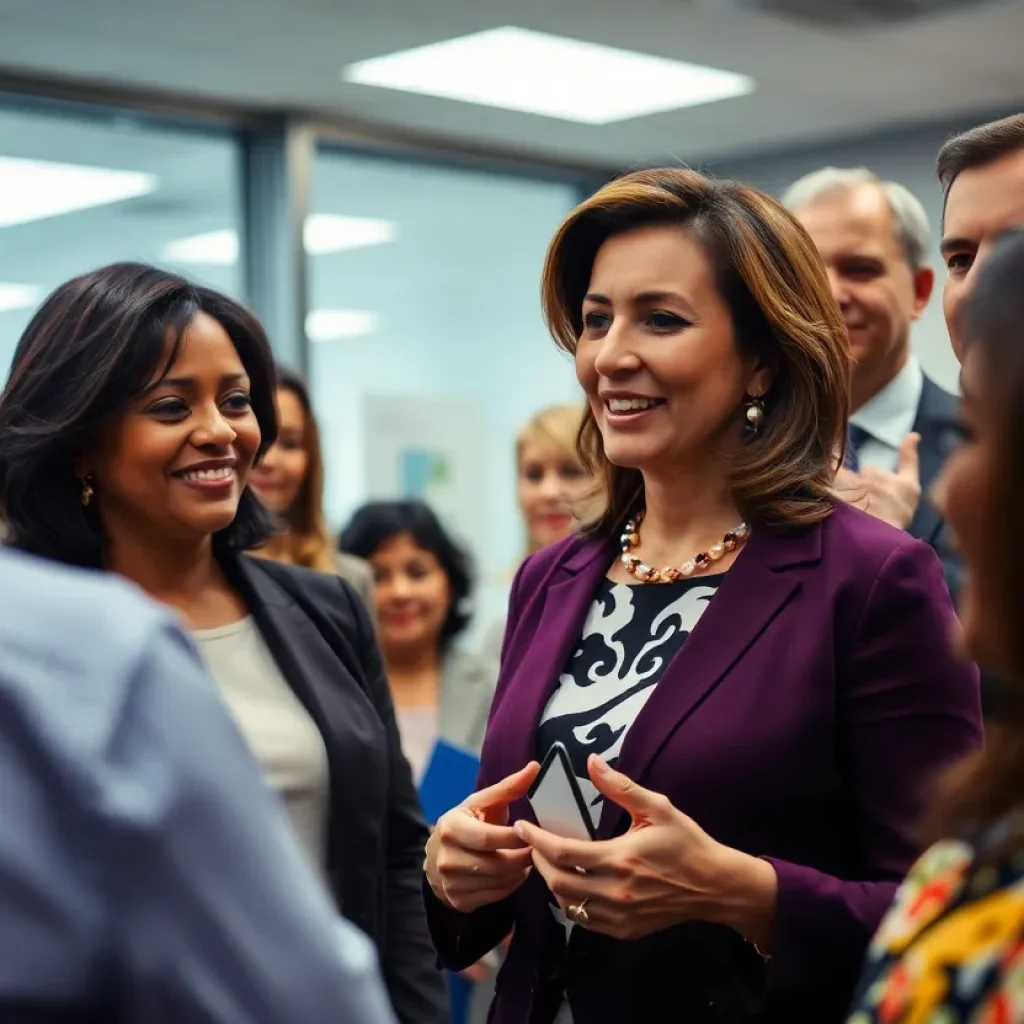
[[951, 949]]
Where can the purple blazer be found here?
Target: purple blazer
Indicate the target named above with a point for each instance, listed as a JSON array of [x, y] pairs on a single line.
[[804, 720]]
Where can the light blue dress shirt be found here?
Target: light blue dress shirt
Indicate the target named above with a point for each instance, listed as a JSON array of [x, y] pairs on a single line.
[[888, 417], [146, 872]]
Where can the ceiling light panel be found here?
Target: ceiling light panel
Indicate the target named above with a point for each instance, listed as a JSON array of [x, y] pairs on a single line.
[[19, 296], [324, 233], [215, 248], [33, 190], [328, 232], [336, 324], [536, 73]]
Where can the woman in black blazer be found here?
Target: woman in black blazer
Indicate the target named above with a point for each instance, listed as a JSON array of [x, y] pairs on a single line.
[[136, 407]]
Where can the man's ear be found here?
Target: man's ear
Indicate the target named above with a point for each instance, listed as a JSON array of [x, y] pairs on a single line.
[[924, 283]]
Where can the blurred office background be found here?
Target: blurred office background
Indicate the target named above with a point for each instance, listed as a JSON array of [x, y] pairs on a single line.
[[392, 240]]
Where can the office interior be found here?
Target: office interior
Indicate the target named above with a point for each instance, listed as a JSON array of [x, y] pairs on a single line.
[[392, 241]]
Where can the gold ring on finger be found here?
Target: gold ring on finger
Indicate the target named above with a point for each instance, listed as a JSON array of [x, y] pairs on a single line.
[[578, 912]]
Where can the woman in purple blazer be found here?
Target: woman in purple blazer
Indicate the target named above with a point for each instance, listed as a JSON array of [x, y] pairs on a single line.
[[756, 685]]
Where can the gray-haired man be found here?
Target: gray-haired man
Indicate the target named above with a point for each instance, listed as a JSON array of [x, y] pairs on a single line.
[[873, 236]]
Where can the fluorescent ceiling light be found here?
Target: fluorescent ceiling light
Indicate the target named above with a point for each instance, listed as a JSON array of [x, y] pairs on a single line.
[[335, 324], [215, 248], [324, 233], [536, 73], [19, 296], [37, 189], [328, 232]]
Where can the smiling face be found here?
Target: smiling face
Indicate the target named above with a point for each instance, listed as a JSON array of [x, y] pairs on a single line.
[[878, 293], [174, 467], [982, 202], [413, 594], [657, 356], [282, 471], [550, 481]]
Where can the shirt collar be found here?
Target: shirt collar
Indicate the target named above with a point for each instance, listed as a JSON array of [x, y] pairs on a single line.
[[889, 415]]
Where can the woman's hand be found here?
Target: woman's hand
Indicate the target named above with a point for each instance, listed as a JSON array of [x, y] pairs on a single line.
[[663, 871], [473, 857]]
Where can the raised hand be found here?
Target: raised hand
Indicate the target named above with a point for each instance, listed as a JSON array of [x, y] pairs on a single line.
[[891, 497]]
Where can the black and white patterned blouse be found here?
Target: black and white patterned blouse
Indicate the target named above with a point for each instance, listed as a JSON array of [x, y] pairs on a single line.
[[630, 635]]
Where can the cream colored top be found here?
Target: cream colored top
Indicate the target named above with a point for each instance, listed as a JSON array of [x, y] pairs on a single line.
[[417, 729], [279, 731]]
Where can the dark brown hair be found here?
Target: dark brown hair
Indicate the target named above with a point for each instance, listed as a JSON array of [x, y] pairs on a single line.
[[93, 347], [978, 147], [307, 541], [377, 522], [772, 279], [992, 783]]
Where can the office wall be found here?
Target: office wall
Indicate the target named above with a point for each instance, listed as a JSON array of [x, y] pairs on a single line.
[[438, 346], [907, 157], [79, 191]]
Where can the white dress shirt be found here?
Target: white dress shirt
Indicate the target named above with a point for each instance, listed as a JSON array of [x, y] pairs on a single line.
[[888, 417]]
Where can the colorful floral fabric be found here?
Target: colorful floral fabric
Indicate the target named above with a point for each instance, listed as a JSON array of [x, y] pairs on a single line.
[[951, 948]]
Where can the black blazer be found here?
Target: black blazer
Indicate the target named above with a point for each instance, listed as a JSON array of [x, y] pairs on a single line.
[[938, 423], [320, 635]]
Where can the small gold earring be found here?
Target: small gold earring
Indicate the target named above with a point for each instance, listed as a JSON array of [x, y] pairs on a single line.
[[87, 490]]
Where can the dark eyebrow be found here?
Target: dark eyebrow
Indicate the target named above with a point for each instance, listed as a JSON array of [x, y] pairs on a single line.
[[948, 245], [660, 297], [189, 383], [644, 298]]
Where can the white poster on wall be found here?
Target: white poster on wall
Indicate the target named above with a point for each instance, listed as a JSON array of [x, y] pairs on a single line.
[[429, 449]]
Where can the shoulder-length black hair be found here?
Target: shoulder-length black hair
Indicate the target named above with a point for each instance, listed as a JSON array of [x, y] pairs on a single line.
[[377, 522], [92, 348]]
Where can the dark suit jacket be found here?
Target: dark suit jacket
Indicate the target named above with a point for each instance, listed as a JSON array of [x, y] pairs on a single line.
[[938, 423], [803, 720], [319, 633]]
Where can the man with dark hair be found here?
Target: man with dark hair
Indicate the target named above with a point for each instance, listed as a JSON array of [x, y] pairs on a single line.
[[982, 176]]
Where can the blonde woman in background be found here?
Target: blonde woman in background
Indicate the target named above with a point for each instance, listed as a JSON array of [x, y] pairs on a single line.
[[551, 483], [290, 482], [551, 478]]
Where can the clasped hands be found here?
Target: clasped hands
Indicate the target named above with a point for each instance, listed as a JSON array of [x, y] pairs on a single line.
[[664, 870]]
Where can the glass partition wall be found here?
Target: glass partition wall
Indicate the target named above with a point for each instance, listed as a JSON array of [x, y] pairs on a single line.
[[78, 192], [427, 348], [407, 288]]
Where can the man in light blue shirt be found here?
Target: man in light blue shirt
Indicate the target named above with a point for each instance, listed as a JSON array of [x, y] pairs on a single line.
[[146, 873]]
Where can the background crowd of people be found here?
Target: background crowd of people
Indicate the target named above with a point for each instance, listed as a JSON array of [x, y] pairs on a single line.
[[769, 583]]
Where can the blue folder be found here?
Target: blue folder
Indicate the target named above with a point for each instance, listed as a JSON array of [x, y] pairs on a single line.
[[450, 777]]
